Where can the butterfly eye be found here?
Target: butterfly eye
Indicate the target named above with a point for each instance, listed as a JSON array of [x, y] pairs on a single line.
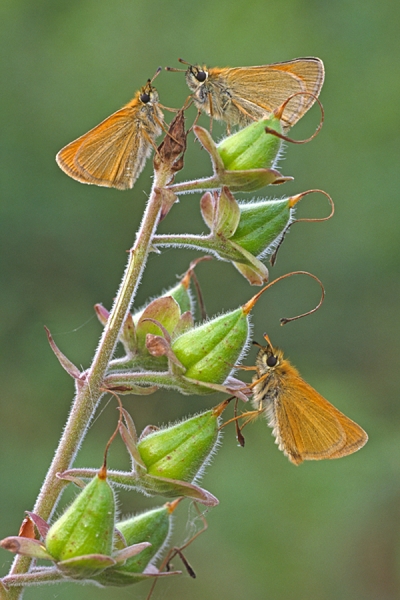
[[145, 98], [201, 76], [271, 361]]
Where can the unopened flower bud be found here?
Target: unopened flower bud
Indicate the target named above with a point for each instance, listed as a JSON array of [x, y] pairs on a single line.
[[180, 293], [180, 451], [252, 147], [152, 526], [209, 350], [85, 528], [261, 223], [171, 311]]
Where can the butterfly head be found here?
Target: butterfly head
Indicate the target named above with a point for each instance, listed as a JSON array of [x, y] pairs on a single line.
[[148, 94], [268, 358], [196, 76]]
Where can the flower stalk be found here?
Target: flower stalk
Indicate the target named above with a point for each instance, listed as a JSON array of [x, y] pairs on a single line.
[[88, 396], [164, 347]]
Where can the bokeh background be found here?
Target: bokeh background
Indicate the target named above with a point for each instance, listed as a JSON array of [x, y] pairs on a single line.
[[327, 530]]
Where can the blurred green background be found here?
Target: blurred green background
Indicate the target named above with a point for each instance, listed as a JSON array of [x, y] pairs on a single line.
[[327, 530]]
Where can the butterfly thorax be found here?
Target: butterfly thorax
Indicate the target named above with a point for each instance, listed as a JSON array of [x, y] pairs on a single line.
[[211, 93], [272, 371]]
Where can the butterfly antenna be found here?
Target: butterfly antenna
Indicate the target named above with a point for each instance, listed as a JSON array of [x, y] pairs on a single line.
[[184, 62], [257, 344], [179, 70], [155, 74], [266, 338], [175, 70]]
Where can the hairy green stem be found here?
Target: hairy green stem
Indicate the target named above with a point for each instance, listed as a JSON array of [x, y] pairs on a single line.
[[197, 185], [88, 396], [212, 243]]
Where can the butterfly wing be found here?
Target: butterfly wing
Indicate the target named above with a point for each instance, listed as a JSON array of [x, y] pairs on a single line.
[[112, 154], [267, 87], [356, 437], [308, 427]]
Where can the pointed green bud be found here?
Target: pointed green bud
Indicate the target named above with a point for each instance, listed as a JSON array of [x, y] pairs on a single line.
[[252, 147], [262, 223], [253, 226], [204, 356], [209, 350], [180, 451], [152, 526], [87, 526], [244, 233]]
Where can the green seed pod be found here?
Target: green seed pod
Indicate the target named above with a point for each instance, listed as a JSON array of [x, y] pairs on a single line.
[[87, 526], [261, 223], [152, 526], [209, 351], [180, 451], [252, 147]]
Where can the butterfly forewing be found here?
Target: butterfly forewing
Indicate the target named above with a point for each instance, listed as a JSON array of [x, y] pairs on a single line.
[[276, 88], [309, 70], [112, 156], [268, 87], [113, 153], [356, 437], [307, 428], [107, 154]]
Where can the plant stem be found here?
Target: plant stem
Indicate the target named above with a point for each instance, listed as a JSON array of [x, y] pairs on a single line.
[[88, 396], [197, 185], [219, 246]]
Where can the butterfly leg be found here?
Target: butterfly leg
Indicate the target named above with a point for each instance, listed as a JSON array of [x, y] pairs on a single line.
[[244, 111], [195, 121], [163, 126], [211, 111]]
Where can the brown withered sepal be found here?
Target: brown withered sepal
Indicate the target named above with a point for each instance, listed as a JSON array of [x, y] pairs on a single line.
[[172, 149]]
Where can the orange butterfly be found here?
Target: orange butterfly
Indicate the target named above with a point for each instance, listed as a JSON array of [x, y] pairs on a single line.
[[114, 153], [305, 425], [242, 95]]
